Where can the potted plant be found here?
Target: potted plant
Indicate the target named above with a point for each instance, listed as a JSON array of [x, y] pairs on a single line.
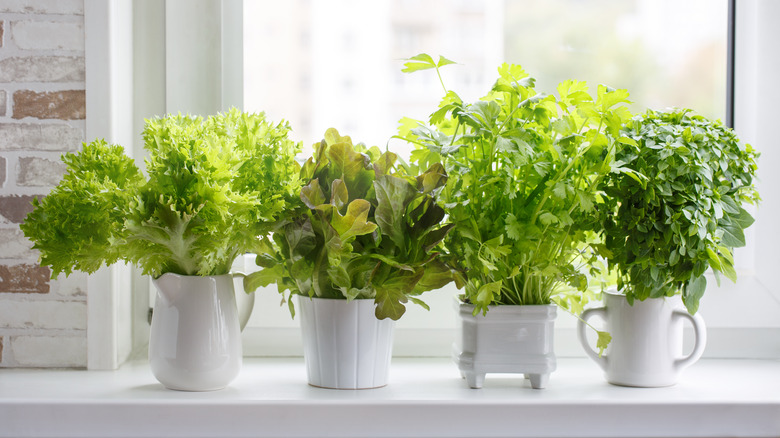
[[524, 174], [210, 187], [675, 210], [362, 242]]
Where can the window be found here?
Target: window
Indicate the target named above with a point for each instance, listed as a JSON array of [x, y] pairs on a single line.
[[338, 63], [317, 64]]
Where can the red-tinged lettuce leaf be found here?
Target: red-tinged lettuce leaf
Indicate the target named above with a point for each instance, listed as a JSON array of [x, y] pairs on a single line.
[[393, 195], [391, 295]]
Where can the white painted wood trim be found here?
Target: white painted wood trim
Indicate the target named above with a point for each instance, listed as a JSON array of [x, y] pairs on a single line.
[[109, 98]]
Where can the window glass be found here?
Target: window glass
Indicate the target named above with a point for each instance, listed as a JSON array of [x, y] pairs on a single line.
[[337, 63]]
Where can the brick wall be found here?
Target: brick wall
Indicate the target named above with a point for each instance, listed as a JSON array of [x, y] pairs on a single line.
[[42, 115]]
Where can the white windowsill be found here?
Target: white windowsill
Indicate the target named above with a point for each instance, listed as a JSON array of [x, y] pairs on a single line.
[[425, 398]]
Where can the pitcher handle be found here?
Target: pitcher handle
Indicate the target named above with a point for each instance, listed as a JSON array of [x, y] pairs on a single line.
[[601, 361], [246, 301], [700, 332]]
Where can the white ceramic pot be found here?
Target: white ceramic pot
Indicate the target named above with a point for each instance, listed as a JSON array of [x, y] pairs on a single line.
[[647, 340], [195, 340], [508, 339], [344, 345]]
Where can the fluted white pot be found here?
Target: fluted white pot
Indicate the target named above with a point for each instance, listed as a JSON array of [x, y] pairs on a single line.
[[508, 339], [195, 340], [344, 345]]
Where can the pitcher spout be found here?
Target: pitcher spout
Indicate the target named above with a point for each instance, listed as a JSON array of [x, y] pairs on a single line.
[[169, 286]]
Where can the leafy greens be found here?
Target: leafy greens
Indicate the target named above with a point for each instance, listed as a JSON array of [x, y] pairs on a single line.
[[212, 186], [677, 210], [523, 191], [364, 228]]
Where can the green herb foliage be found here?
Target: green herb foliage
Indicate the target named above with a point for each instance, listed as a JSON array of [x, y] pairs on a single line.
[[678, 210], [212, 187], [524, 172], [365, 228], [76, 225]]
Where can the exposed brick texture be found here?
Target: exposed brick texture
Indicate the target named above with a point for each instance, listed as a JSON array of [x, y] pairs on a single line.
[[13, 245], [47, 35], [42, 69], [64, 105], [71, 286], [40, 314], [57, 7], [39, 172], [49, 351], [16, 207], [24, 279], [35, 137], [43, 322]]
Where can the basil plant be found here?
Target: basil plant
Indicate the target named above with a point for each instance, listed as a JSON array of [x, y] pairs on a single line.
[[365, 228], [677, 209], [525, 172]]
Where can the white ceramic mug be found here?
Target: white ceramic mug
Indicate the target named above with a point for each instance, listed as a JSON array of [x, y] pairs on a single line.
[[647, 340]]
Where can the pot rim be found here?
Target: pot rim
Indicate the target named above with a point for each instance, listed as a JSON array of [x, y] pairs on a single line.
[[301, 297]]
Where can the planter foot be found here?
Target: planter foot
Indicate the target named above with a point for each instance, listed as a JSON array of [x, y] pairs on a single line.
[[538, 381], [475, 380]]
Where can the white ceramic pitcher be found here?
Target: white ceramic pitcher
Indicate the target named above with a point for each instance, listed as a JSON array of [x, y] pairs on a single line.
[[195, 339], [647, 340]]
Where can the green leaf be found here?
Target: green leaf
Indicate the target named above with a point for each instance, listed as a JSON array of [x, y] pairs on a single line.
[[432, 179], [548, 218], [354, 222], [743, 219], [486, 293], [693, 293], [263, 278], [339, 196], [436, 275], [392, 294], [604, 338], [393, 195], [385, 163], [419, 303], [444, 61], [513, 227], [312, 194], [733, 236], [419, 62]]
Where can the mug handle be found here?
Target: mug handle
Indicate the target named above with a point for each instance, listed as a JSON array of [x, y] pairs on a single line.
[[601, 361], [700, 332]]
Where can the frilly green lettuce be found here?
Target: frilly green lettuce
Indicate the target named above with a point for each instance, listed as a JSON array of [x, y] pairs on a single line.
[[211, 187]]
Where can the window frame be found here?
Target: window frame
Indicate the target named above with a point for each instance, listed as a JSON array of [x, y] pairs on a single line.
[[113, 325]]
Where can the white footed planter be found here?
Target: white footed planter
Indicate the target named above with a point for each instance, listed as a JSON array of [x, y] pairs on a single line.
[[344, 345], [508, 339], [195, 340], [647, 340]]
